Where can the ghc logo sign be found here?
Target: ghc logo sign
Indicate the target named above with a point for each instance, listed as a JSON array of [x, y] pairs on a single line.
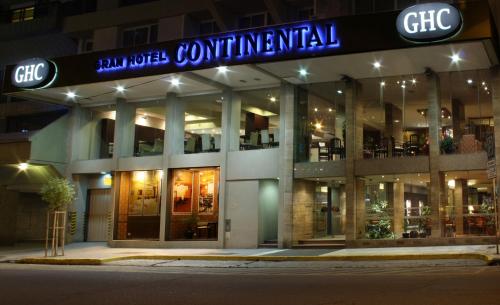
[[429, 22], [34, 73]]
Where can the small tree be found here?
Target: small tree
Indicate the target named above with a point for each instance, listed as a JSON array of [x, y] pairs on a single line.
[[58, 193]]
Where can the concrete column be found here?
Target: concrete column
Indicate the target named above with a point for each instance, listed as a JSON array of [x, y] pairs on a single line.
[[124, 129], [354, 187], [227, 139], [459, 200], [434, 115], [233, 131], [288, 98], [398, 208], [495, 96], [174, 131]]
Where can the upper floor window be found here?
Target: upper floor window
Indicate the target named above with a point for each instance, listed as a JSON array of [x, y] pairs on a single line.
[[23, 14], [140, 35], [208, 27], [253, 20], [306, 13], [372, 6], [86, 45]]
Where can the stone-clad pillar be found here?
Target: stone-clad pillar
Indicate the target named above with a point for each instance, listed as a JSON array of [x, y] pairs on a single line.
[[398, 208], [495, 96], [459, 201], [354, 150], [123, 145], [285, 171], [434, 115]]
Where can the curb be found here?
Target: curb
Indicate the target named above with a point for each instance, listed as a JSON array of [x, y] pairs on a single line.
[[490, 260]]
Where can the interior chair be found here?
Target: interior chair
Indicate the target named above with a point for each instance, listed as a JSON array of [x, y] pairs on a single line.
[[206, 144], [190, 146], [264, 137]]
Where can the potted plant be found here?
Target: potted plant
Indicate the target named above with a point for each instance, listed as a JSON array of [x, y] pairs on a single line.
[[423, 221], [380, 228], [192, 223]]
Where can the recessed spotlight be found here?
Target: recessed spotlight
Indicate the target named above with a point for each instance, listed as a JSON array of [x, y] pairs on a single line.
[[377, 65], [403, 86], [455, 58], [339, 91], [330, 109], [413, 81], [120, 89], [70, 94], [222, 69], [382, 84], [318, 126], [483, 83], [396, 121], [315, 109], [175, 82], [303, 72], [485, 88], [23, 166], [272, 99], [469, 81]]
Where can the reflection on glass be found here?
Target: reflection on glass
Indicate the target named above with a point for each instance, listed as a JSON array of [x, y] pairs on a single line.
[[202, 128], [149, 130]]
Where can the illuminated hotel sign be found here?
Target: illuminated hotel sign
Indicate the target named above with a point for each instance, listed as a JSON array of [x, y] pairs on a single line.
[[34, 73], [429, 22], [304, 38]]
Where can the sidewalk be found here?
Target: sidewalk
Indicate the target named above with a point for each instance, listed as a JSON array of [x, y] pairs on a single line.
[[100, 253]]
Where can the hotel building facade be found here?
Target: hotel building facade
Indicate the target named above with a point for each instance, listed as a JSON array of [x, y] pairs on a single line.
[[365, 130]]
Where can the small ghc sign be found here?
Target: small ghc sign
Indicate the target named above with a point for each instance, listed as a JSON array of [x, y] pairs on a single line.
[[34, 73], [429, 22]]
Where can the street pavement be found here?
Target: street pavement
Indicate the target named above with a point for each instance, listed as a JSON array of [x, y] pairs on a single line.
[[439, 282]]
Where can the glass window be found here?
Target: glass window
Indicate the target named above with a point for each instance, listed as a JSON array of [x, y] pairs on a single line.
[[96, 133], [253, 20], [140, 35], [23, 14], [138, 205], [194, 204], [394, 113], [321, 134], [208, 27], [149, 130], [202, 129], [469, 206], [260, 119], [466, 111], [378, 209]]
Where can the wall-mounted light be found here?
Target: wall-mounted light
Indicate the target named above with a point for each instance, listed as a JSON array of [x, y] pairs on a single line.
[[451, 184], [22, 166]]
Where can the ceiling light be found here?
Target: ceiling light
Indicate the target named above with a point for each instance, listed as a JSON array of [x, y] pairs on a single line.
[[413, 81], [315, 109], [175, 82], [451, 184], [377, 65], [483, 83], [455, 58], [303, 72], [70, 94], [469, 81], [403, 86], [272, 99], [120, 89], [339, 91], [382, 83], [330, 109], [23, 166], [318, 126], [222, 69], [396, 121]]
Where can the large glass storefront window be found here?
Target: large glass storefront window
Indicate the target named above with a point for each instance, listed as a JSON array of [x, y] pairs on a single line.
[[194, 204], [99, 131], [469, 205], [202, 128], [329, 209], [138, 205], [321, 133], [466, 111], [260, 119], [394, 116], [149, 130]]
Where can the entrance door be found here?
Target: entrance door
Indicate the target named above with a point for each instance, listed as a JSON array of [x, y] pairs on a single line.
[[99, 204]]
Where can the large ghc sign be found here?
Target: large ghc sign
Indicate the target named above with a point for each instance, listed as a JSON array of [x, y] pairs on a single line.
[[429, 22], [308, 38], [34, 73]]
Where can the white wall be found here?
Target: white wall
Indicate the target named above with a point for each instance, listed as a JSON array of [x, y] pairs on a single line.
[[253, 164], [242, 206]]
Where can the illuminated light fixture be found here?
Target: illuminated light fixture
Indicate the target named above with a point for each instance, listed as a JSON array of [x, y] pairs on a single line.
[[381, 186], [471, 209], [120, 89], [483, 83], [451, 184], [485, 88], [403, 86], [413, 81], [382, 84], [272, 99], [396, 121], [339, 91], [318, 126], [471, 182], [175, 82], [160, 173], [377, 65], [330, 109], [469, 81], [383, 176], [70, 94], [140, 175], [315, 109], [103, 173], [222, 69], [303, 72], [455, 58], [23, 166], [107, 180]]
